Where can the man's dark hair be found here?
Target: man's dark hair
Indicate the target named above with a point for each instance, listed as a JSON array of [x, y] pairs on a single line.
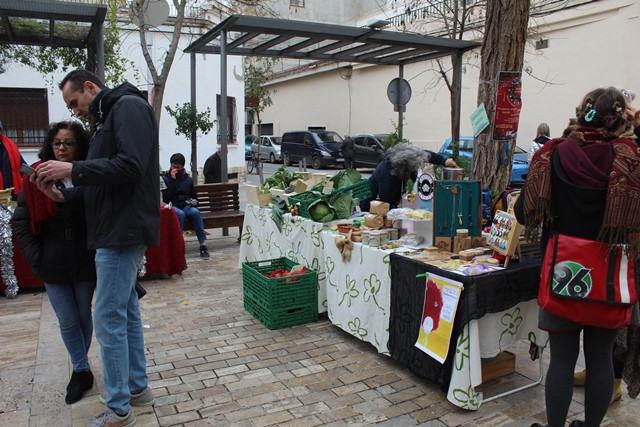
[[177, 158], [76, 79]]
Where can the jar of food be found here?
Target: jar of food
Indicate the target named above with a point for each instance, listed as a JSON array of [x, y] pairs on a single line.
[[374, 239], [393, 234], [365, 237]]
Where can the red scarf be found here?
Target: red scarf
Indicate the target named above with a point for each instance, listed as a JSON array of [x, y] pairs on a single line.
[[14, 158], [621, 220], [39, 205]]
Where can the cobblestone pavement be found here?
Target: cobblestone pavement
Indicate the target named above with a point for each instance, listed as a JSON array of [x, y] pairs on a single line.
[[212, 363]]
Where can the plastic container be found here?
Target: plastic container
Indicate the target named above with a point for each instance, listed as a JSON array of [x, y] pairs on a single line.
[[279, 302]]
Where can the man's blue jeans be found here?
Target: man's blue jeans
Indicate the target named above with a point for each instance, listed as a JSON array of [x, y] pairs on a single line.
[[193, 214], [72, 305], [118, 325]]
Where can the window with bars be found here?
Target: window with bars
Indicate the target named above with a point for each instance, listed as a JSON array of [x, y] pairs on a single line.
[[24, 113], [296, 3]]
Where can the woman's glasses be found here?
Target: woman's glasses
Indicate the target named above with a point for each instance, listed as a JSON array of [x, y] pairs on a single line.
[[56, 143]]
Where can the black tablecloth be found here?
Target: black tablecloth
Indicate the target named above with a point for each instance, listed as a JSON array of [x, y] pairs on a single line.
[[482, 294]]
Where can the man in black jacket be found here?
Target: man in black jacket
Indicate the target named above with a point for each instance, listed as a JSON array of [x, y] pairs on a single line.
[[348, 151], [122, 205]]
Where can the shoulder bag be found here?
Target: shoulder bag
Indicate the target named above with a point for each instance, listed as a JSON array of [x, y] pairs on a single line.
[[585, 282]]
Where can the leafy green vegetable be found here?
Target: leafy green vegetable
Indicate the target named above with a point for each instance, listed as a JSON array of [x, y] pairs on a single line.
[[345, 178], [282, 178], [321, 211], [343, 205], [278, 208]]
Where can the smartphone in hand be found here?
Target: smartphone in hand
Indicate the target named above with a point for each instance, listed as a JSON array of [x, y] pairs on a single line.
[[25, 168]]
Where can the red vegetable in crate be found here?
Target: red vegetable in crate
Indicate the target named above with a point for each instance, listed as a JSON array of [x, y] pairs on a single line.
[[295, 271], [277, 273]]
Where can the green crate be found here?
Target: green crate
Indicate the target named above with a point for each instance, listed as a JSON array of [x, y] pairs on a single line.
[[284, 317], [359, 190], [279, 302]]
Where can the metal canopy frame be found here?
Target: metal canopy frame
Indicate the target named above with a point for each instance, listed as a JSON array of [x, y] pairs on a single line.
[[283, 38], [52, 33]]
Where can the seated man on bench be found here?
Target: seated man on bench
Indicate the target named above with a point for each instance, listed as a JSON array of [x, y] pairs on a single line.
[[181, 193]]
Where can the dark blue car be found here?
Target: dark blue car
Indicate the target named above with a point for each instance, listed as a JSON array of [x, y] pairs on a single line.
[[520, 166]]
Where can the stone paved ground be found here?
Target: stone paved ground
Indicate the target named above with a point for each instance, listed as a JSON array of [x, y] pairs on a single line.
[[211, 363]]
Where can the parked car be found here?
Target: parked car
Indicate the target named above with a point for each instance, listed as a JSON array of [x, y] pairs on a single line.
[[368, 148], [248, 140], [269, 148], [519, 169], [319, 147]]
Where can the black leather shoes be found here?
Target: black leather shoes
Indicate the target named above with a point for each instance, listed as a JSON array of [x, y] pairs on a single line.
[[79, 383]]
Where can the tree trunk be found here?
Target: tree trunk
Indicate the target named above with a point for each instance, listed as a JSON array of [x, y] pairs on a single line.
[[160, 80], [502, 50]]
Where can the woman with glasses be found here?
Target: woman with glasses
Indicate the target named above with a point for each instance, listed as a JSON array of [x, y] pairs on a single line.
[[53, 239]]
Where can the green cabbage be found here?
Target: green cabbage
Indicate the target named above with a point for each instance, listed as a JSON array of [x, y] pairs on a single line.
[[321, 211]]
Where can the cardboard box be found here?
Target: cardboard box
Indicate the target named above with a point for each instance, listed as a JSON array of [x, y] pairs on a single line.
[[503, 364], [254, 196]]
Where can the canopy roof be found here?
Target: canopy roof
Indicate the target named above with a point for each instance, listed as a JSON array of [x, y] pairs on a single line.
[[284, 38], [51, 23]]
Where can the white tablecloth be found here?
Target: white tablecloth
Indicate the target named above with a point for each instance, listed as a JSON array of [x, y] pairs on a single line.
[[485, 338], [356, 295]]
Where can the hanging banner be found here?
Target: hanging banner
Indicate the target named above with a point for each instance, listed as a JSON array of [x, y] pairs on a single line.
[[441, 298], [508, 105]]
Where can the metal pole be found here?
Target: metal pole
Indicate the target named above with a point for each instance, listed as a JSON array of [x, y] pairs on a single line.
[[457, 96], [194, 142], [400, 110], [100, 51], [224, 120]]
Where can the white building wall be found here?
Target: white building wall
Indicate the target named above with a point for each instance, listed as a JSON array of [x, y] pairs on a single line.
[[178, 91], [589, 46]]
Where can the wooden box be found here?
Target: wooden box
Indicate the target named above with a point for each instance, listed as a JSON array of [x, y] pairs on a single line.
[[255, 197], [503, 364]]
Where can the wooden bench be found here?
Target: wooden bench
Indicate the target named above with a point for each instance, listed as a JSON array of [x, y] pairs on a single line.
[[219, 206]]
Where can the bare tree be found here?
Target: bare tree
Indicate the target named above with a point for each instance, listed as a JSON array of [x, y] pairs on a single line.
[[502, 50], [452, 19], [159, 79]]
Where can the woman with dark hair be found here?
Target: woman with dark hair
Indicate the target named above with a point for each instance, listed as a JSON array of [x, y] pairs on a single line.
[[585, 186], [53, 239]]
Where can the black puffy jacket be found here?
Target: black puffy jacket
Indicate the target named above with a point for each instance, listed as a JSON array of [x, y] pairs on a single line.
[[178, 190], [122, 194], [58, 254]]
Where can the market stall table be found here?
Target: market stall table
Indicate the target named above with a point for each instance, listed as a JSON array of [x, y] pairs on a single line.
[[367, 298], [495, 310], [22, 271], [355, 294], [169, 257]]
